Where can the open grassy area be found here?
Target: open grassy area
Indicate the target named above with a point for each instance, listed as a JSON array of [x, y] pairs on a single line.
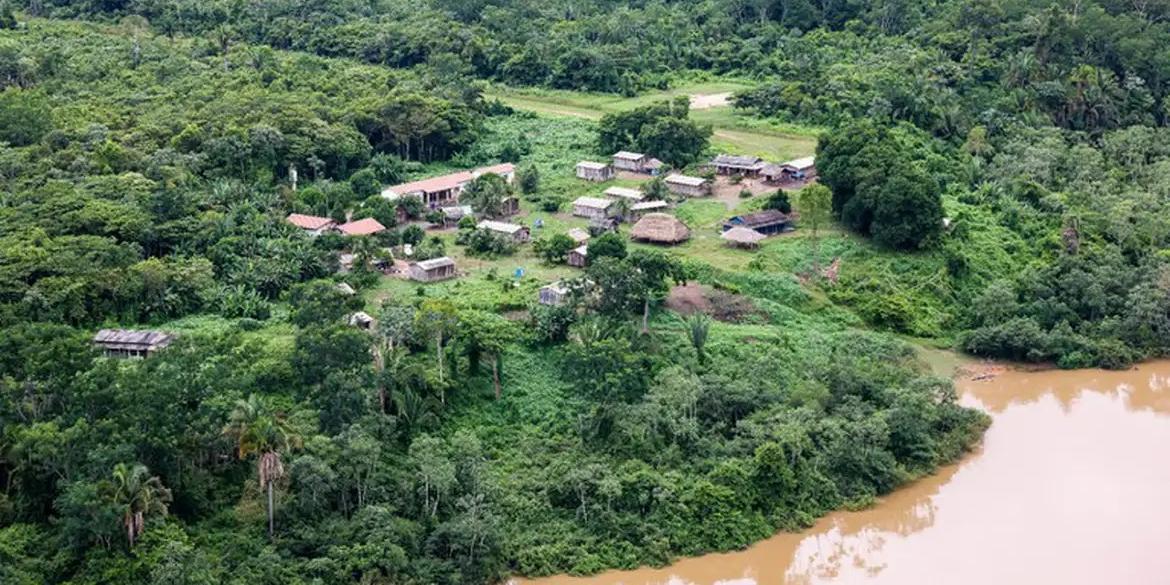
[[734, 131]]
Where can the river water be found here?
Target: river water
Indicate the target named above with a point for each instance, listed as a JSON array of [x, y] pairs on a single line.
[[1070, 486]]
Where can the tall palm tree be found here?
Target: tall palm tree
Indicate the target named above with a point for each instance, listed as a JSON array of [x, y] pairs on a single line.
[[137, 494], [698, 328], [257, 429]]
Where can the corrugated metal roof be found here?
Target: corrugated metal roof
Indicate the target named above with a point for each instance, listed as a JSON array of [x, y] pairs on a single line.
[[686, 180], [594, 202], [435, 263], [499, 226]]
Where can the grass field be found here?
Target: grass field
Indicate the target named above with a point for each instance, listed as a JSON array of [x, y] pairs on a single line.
[[734, 131]]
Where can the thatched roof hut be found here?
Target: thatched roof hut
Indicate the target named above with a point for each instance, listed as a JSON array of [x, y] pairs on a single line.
[[743, 237], [660, 228]]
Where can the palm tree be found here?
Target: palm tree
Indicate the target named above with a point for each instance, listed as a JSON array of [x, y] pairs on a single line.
[[137, 494], [257, 429], [698, 327]]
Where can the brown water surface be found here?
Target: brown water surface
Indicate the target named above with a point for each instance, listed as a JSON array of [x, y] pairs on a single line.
[[1071, 486]]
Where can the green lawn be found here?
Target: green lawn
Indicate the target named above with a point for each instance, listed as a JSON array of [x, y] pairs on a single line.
[[735, 132]]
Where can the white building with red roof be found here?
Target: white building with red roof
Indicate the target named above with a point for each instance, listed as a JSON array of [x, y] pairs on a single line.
[[445, 190]]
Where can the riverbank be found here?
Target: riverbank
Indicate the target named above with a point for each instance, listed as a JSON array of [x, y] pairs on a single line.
[[1062, 490]]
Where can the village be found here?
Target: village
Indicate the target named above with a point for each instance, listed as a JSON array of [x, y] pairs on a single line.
[[730, 224], [720, 203]]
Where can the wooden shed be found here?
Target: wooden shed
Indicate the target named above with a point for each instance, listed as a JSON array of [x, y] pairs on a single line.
[[431, 270], [516, 232], [633, 195], [594, 171], [688, 186], [630, 161], [128, 343], [553, 294], [579, 256], [660, 228], [592, 207]]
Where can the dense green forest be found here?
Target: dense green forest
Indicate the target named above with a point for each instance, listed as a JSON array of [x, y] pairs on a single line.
[[998, 174]]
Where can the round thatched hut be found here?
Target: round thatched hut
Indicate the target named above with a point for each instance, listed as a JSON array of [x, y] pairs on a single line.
[[660, 228]]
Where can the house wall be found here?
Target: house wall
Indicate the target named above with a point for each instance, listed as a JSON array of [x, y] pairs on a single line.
[[576, 260], [628, 165], [594, 174], [687, 190], [590, 212]]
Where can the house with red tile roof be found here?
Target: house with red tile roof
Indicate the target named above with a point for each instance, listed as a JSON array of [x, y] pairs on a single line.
[[445, 190], [311, 224], [361, 227]]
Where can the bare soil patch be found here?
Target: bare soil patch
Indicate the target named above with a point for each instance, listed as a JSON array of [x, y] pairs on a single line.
[[701, 101], [693, 297]]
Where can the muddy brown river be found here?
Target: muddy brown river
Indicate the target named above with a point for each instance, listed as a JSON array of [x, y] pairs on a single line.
[[1070, 486]]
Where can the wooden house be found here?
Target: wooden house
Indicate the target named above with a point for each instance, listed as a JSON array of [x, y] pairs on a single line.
[[660, 228], [632, 195], [594, 171], [579, 256], [516, 232], [744, 166], [311, 224], [553, 294], [766, 222], [361, 227], [442, 191], [127, 343], [742, 237], [593, 207], [432, 270], [688, 186], [630, 161]]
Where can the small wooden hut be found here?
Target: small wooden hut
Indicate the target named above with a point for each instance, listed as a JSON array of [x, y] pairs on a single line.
[[517, 233], [592, 207], [630, 161], [594, 171], [127, 343], [688, 186], [553, 294], [579, 256], [660, 228], [432, 270]]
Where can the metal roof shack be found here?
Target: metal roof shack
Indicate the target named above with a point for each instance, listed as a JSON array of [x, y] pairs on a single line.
[[515, 231], [127, 343], [625, 193]]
